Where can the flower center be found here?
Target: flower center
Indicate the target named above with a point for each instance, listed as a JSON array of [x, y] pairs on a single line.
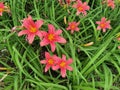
[[80, 8], [51, 61], [33, 29], [1, 9], [102, 25], [62, 64], [72, 26], [50, 37]]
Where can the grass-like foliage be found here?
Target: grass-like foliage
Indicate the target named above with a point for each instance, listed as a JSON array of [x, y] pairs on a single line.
[[94, 52]]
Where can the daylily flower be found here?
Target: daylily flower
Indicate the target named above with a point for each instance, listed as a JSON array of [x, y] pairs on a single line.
[[81, 7], [110, 3], [50, 61], [63, 65], [52, 37], [31, 29], [103, 24], [73, 26], [1, 8]]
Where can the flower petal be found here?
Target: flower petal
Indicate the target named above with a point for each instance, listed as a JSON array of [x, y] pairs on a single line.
[[39, 23], [47, 55], [69, 61], [30, 38], [63, 57], [39, 34], [55, 67], [44, 42], [47, 67], [60, 39], [69, 68], [58, 32], [51, 28], [22, 32], [53, 46], [63, 72], [43, 62]]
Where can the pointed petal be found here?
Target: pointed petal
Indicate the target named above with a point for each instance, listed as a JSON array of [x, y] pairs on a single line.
[[53, 46], [69, 68], [69, 61], [63, 57], [47, 67], [97, 22], [44, 42], [23, 32], [77, 29], [55, 67], [104, 30], [47, 55], [60, 39], [68, 28], [58, 32], [39, 34], [51, 28], [30, 38], [63, 72], [39, 23], [43, 62], [98, 28]]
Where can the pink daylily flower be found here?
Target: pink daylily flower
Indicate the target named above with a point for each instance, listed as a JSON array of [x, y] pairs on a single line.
[[110, 3], [73, 26], [31, 29], [1, 8], [81, 7], [52, 37], [103, 24], [63, 65], [50, 61]]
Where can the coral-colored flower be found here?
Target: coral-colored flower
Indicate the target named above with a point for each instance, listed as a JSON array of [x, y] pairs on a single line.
[[103, 24], [63, 65], [81, 7], [31, 29], [110, 3], [73, 26], [52, 37], [50, 61], [1, 8]]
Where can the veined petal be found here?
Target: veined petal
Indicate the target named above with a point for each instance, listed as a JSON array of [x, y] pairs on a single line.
[[30, 38], [47, 55], [63, 72], [97, 22], [69, 61], [98, 28], [39, 23], [47, 67], [68, 28], [55, 67], [22, 32], [63, 57], [58, 32], [53, 46], [51, 28], [60, 39], [44, 42], [69, 68], [43, 62], [39, 34]]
